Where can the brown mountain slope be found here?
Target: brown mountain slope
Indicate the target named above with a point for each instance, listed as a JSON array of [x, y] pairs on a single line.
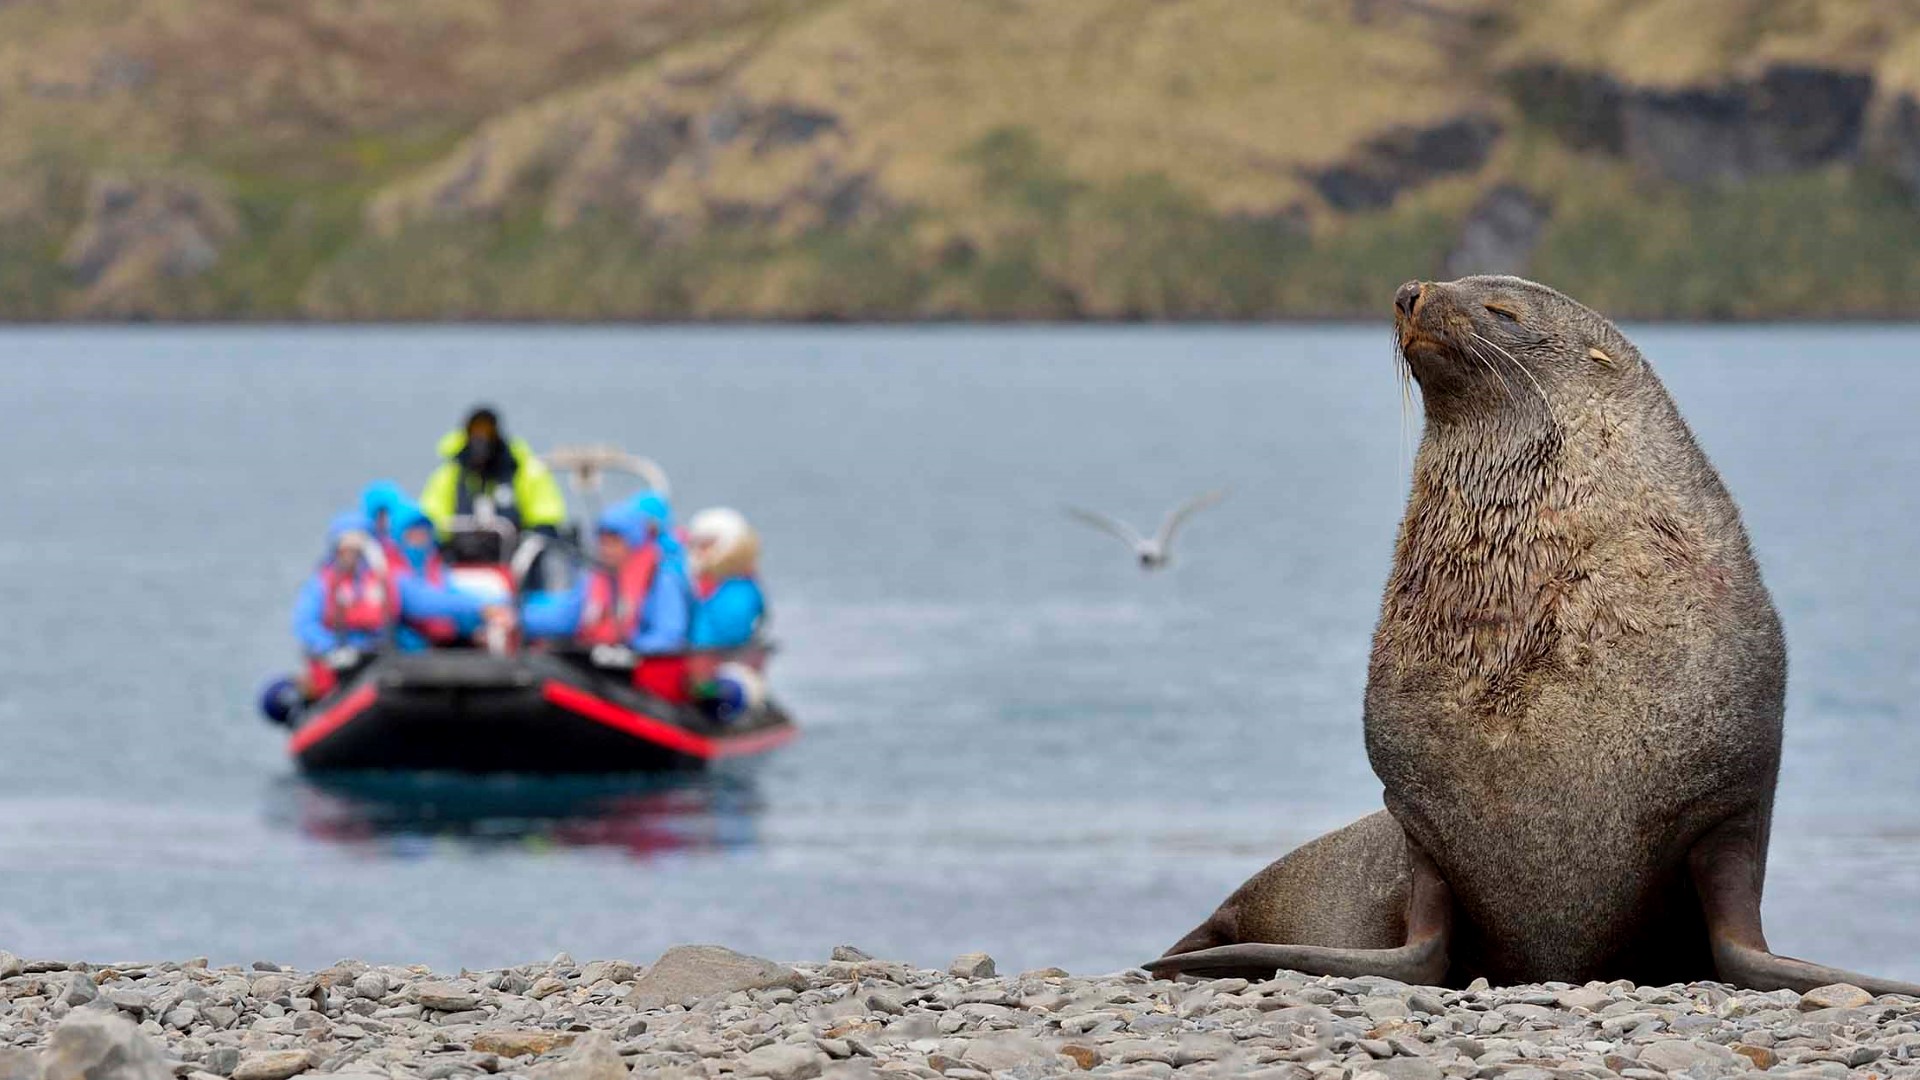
[[999, 158]]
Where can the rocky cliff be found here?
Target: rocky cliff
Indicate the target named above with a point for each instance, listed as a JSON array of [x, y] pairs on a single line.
[[600, 159]]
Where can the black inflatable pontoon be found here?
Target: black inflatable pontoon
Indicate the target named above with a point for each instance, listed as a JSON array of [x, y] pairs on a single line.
[[468, 710]]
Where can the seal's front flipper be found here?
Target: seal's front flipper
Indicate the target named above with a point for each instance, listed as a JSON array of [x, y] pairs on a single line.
[[1425, 922], [1727, 871]]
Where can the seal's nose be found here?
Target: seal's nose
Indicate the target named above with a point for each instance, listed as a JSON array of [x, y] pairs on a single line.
[[1408, 297]]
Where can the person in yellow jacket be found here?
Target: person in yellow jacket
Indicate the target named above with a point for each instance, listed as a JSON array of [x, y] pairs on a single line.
[[481, 461]]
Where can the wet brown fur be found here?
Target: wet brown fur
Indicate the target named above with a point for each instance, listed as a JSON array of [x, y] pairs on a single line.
[[1577, 671]]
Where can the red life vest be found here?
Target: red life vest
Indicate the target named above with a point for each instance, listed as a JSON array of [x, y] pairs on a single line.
[[612, 610], [364, 602]]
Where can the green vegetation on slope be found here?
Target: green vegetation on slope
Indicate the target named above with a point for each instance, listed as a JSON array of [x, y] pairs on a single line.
[[869, 159]]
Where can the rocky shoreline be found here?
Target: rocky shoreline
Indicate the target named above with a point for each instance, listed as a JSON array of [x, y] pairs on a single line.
[[704, 1011]]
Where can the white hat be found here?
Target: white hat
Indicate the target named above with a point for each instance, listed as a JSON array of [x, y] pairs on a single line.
[[723, 543]]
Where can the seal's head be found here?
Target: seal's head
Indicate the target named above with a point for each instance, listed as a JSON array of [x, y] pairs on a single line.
[[1496, 345]]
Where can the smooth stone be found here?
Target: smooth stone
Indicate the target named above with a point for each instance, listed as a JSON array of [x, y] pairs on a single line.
[[272, 1065], [1385, 1008], [1086, 1057], [1278, 1072], [1592, 999], [371, 985], [1154, 1022], [707, 971], [991, 1054], [973, 965], [18, 1064], [1679, 1055], [1856, 1056], [132, 1001], [445, 997], [99, 1045], [1834, 996], [781, 1062], [614, 971], [78, 989], [519, 1043], [591, 1057], [268, 987]]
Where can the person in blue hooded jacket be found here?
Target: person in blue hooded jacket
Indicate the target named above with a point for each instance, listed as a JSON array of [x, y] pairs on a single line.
[[414, 551], [354, 603], [635, 597]]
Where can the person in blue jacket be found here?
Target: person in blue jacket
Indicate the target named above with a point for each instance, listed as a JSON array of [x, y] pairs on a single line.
[[724, 553], [636, 597], [415, 551], [354, 603]]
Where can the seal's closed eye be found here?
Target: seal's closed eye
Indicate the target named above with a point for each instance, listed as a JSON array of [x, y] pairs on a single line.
[[1504, 312]]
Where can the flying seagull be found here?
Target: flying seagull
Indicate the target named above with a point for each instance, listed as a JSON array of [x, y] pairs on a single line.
[[1156, 553]]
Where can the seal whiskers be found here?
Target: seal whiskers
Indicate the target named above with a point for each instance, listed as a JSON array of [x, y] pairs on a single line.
[[1517, 365]]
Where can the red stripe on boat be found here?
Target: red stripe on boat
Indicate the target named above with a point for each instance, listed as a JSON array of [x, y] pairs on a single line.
[[671, 736], [334, 718]]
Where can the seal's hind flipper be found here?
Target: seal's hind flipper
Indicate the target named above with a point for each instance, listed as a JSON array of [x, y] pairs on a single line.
[[1761, 970], [1727, 872], [1375, 848], [1422, 963]]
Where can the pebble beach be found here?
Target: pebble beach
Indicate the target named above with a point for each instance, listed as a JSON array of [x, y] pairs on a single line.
[[705, 1011]]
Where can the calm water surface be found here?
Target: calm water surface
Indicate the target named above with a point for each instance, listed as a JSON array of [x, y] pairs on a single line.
[[1014, 742]]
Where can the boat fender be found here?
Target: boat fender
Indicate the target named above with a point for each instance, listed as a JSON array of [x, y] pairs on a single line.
[[738, 692], [280, 700]]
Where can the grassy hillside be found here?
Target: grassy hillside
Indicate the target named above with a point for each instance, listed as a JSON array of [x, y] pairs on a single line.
[[600, 159]]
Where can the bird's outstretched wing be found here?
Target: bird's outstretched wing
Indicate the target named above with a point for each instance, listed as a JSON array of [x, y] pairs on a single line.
[[1179, 517], [1120, 530]]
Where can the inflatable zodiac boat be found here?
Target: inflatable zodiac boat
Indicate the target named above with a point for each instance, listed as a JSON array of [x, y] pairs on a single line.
[[469, 710]]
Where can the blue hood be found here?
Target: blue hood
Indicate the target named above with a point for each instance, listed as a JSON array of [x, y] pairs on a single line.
[[625, 522], [404, 515], [653, 509], [382, 495]]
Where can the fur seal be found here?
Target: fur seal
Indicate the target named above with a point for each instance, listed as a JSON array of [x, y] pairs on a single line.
[[1575, 694]]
